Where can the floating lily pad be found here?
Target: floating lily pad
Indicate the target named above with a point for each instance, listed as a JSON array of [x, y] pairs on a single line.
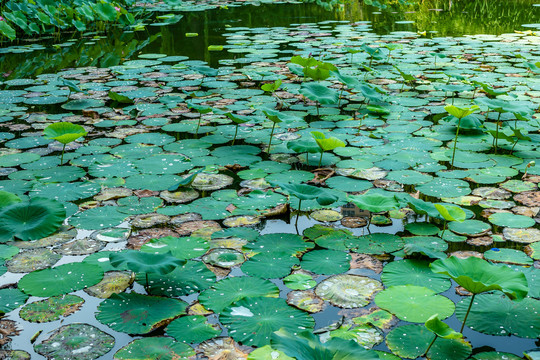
[[414, 272], [469, 227], [225, 258], [305, 300], [280, 243], [414, 303], [83, 341], [251, 321], [162, 348], [114, 282], [192, 329], [506, 317], [326, 262], [377, 243], [31, 260], [299, 281], [508, 256], [348, 291], [138, 314], [97, 218], [270, 265], [229, 290], [51, 309], [11, 299], [511, 220], [60, 280], [412, 341], [183, 248]]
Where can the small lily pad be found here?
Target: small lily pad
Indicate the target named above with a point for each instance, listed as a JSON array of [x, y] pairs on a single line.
[[51, 309]]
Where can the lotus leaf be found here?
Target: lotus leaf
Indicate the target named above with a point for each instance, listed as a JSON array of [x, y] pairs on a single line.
[[138, 314], [162, 348], [306, 346], [267, 353], [60, 280], [511, 220], [11, 299], [64, 132], [113, 282], [270, 265], [291, 244], [348, 291], [478, 276], [326, 262], [31, 220], [192, 329], [497, 314], [412, 341], [230, 290], [253, 320], [83, 341], [97, 218], [414, 272], [414, 303], [183, 248], [51, 309]]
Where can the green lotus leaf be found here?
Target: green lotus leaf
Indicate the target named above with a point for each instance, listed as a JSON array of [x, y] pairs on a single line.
[[496, 355], [251, 321], [86, 341], [162, 348], [414, 303], [7, 198], [306, 346], [326, 262], [441, 329], [308, 192], [97, 218], [267, 353], [291, 244], [230, 290], [270, 265], [143, 262], [299, 281], [134, 313], [451, 212], [11, 299], [319, 93], [376, 243], [478, 276], [414, 272], [190, 278], [497, 314], [509, 256], [412, 341], [374, 201], [460, 112], [31, 220], [183, 248], [326, 144], [64, 132], [511, 220], [192, 329], [61, 280]]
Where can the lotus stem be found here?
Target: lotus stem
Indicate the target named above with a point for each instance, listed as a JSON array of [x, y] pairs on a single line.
[[147, 286], [430, 344], [198, 125], [235, 133], [455, 143], [443, 229], [497, 134], [298, 215], [62, 156], [320, 159], [271, 134], [467, 314]]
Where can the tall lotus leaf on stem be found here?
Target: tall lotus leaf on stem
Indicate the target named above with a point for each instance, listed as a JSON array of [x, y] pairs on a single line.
[[450, 213], [319, 93], [488, 89], [315, 69], [64, 133], [304, 146], [478, 276], [350, 81], [375, 53], [352, 52], [326, 144], [437, 55], [308, 192], [407, 78], [204, 70], [272, 87], [370, 92], [374, 202], [187, 181], [201, 109], [306, 346], [440, 329], [237, 119], [459, 113], [142, 262], [274, 118]]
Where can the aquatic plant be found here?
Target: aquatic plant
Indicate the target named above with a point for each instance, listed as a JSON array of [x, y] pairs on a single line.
[[459, 113], [64, 133], [326, 144]]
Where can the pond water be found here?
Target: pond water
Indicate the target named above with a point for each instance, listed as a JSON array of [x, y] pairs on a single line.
[[154, 108]]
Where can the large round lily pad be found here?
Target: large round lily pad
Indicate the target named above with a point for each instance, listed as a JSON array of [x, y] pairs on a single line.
[[134, 313], [229, 290], [348, 291], [76, 341], [32, 260], [251, 321], [377, 243], [114, 282], [270, 265], [192, 329], [11, 299], [326, 262], [414, 303], [496, 314], [162, 348], [60, 280], [51, 309], [414, 272], [412, 341]]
